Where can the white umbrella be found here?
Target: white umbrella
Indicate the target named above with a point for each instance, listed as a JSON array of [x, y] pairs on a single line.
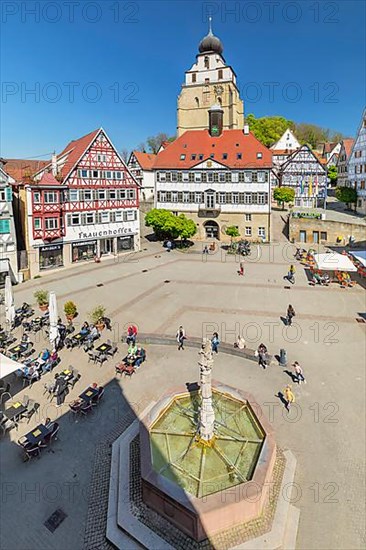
[[360, 255], [7, 366], [9, 302], [53, 317], [334, 262]]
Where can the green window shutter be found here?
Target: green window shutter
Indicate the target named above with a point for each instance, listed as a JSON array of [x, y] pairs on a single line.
[[4, 226], [9, 195]]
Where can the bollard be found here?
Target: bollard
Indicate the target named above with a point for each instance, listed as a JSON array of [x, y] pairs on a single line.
[[283, 357]]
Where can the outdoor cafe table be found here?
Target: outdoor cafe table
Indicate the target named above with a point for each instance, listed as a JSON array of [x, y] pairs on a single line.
[[79, 337], [68, 374], [15, 410], [38, 434], [103, 348], [17, 350], [88, 394]]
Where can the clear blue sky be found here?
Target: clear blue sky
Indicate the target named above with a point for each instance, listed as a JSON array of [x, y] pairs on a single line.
[[133, 56]]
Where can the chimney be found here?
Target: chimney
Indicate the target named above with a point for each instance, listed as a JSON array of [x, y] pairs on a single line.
[[246, 129], [216, 115], [54, 164]]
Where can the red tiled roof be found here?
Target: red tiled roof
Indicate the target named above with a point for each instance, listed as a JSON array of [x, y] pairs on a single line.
[[19, 168], [48, 179], [277, 152], [348, 144], [75, 149], [320, 157], [199, 142], [145, 160], [328, 147]]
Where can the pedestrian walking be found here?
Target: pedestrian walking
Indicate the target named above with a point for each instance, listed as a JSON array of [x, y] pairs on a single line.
[[169, 246], [290, 314], [215, 342], [289, 397], [241, 269], [299, 373], [262, 356], [181, 336], [205, 250]]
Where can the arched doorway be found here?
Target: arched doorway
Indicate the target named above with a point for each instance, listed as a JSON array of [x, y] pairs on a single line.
[[212, 229]]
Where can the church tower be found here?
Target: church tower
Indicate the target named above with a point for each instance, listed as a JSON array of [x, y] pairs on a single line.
[[209, 81]]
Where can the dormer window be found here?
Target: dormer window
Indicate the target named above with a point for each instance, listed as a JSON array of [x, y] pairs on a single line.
[[224, 156], [193, 157], [200, 157], [238, 156], [259, 155], [212, 156], [182, 157]]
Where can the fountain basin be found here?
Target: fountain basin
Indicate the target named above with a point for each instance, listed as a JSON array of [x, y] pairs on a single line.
[[206, 488]]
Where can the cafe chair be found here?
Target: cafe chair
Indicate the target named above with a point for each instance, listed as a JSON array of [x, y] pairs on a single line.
[[85, 409], [25, 401], [98, 397], [129, 370], [5, 396], [31, 452], [54, 429], [114, 349], [75, 408], [120, 369], [92, 356], [101, 358], [32, 409], [23, 441], [8, 425]]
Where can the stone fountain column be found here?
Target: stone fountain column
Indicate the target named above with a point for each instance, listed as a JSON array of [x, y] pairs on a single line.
[[207, 415]]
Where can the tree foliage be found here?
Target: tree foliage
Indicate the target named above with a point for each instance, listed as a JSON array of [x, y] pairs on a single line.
[[232, 231], [346, 194], [269, 129], [283, 195], [168, 226], [333, 174]]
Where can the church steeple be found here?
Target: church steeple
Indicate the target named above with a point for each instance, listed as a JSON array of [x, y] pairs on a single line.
[[210, 43]]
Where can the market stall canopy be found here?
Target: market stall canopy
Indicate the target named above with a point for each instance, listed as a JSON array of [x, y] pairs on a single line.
[[332, 261], [359, 255], [7, 365]]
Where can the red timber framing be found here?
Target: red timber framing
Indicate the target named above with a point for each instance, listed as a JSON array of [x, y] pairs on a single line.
[[50, 214], [97, 168]]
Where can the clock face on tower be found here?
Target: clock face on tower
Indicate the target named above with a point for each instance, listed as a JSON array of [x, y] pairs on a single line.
[[218, 89]]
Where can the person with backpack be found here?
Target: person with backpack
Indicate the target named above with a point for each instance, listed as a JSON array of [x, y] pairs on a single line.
[[290, 314]]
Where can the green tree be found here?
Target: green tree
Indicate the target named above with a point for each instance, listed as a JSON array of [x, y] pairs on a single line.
[[333, 174], [166, 225], [232, 231], [347, 195], [158, 219], [268, 129], [283, 195], [185, 226]]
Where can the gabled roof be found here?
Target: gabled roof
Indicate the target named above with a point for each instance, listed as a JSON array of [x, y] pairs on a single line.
[[284, 140], [19, 168], [347, 145], [277, 152], [48, 179], [317, 157], [200, 142], [145, 160], [329, 146], [75, 149]]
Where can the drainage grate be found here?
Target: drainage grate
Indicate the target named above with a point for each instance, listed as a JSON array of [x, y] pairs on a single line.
[[100, 284], [55, 520], [166, 281], [145, 270], [287, 287]]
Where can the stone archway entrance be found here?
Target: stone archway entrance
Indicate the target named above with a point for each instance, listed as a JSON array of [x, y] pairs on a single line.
[[212, 230]]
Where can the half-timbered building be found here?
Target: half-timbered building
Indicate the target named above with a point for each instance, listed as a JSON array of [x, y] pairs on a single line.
[[218, 178], [141, 167], [304, 172], [8, 241], [83, 205], [342, 164], [357, 166]]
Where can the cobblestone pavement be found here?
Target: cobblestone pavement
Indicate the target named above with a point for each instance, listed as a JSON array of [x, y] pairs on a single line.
[[158, 291]]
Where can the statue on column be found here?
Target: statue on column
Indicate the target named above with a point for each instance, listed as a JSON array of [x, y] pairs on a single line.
[[207, 414]]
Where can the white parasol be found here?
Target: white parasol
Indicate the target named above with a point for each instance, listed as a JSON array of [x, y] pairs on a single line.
[[9, 302], [53, 317]]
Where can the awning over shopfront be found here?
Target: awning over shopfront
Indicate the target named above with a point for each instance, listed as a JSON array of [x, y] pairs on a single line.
[[334, 262], [359, 255]]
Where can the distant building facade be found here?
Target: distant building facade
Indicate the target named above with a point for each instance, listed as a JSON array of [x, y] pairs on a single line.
[[218, 178], [356, 169], [141, 167], [342, 164], [283, 148], [8, 240]]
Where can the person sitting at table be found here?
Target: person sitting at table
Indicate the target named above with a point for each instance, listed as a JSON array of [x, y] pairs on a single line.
[[140, 356], [45, 354], [85, 329], [131, 334], [31, 373], [50, 363], [93, 334], [346, 278]]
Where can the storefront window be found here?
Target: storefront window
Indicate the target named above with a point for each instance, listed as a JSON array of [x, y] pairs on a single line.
[[51, 256], [124, 243], [83, 251]]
